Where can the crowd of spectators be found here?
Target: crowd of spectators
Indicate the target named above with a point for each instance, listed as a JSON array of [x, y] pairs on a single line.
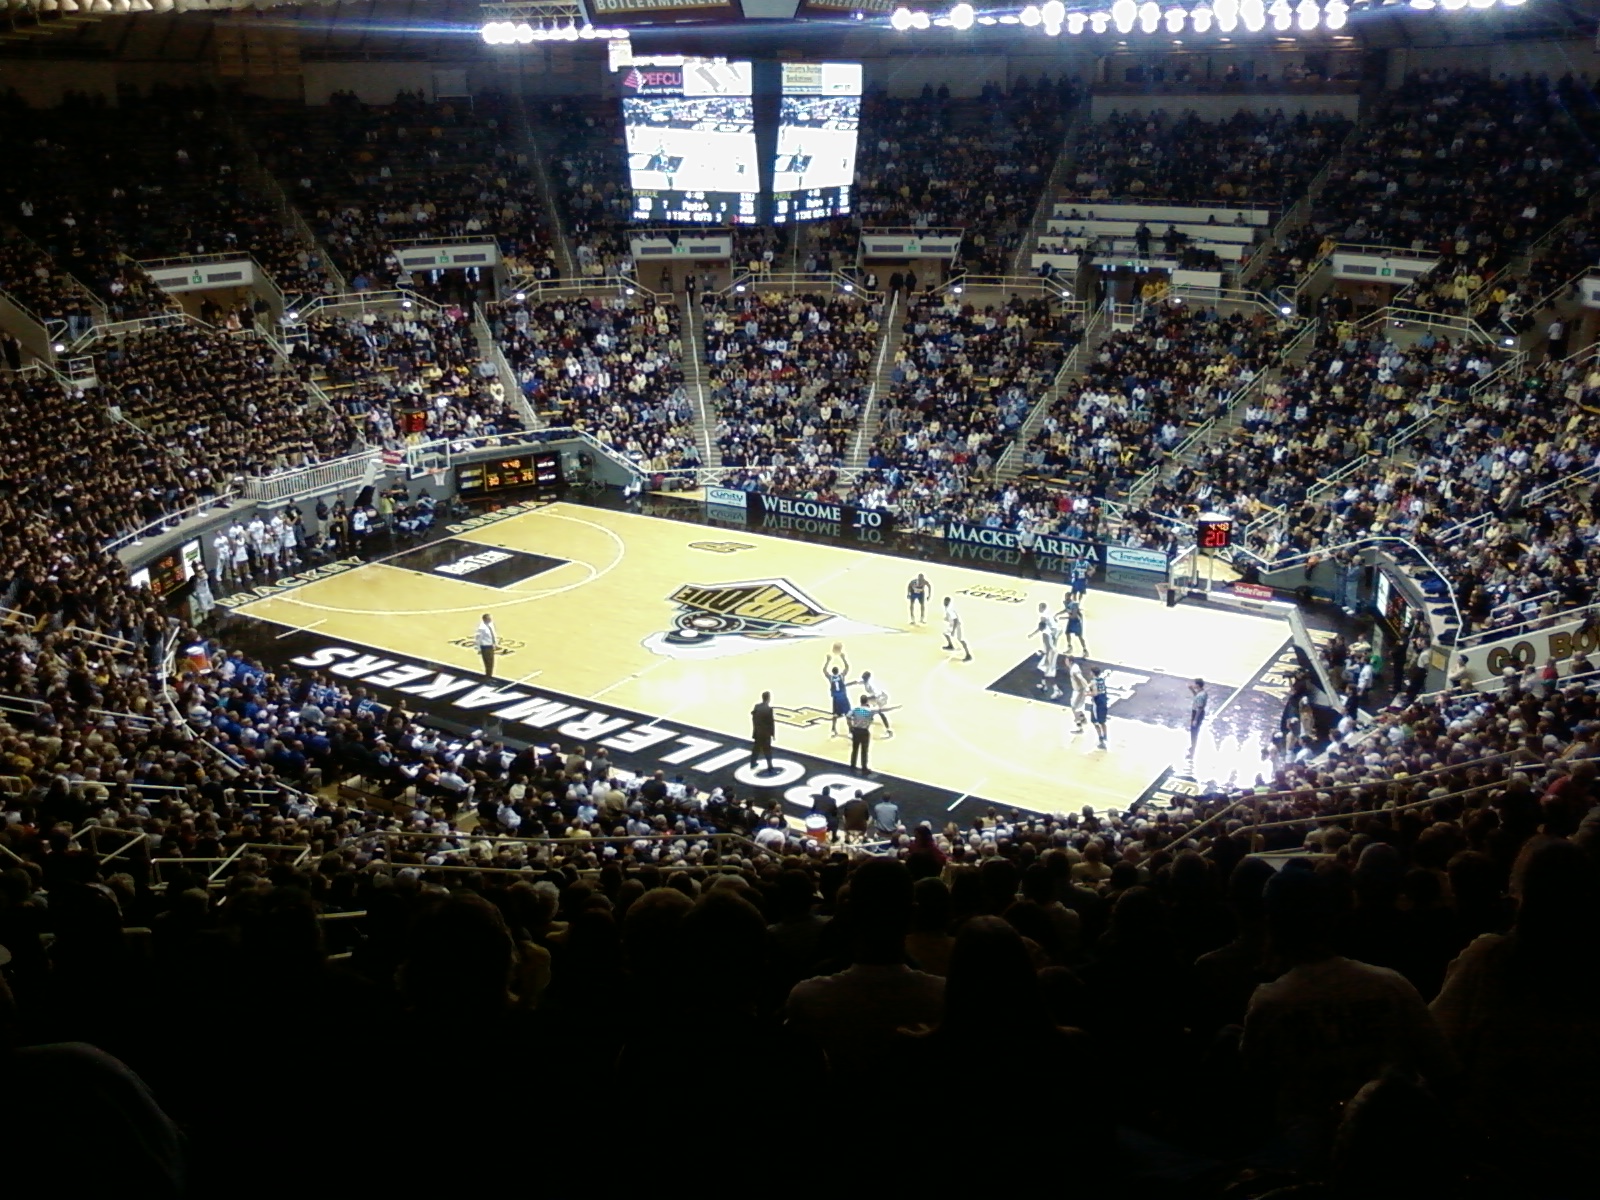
[[414, 373], [934, 162], [611, 367], [100, 188], [1251, 158], [1144, 389], [789, 375], [589, 174], [368, 176], [1406, 1009], [35, 281], [1466, 167], [1447, 886], [1338, 410], [222, 400], [58, 190], [962, 382]]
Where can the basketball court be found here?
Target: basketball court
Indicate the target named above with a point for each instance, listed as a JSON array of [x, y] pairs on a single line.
[[655, 637]]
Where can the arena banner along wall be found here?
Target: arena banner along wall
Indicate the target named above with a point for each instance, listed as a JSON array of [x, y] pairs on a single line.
[[1560, 642], [790, 514], [1045, 544]]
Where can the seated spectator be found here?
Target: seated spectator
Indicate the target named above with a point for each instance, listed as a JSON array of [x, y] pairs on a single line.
[[790, 377], [963, 381], [854, 1015], [610, 367], [1251, 158]]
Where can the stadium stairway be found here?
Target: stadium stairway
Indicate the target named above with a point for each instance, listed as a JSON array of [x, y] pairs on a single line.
[[882, 381], [255, 176], [694, 381], [1227, 424], [1298, 215], [1096, 331], [527, 142], [1054, 185]]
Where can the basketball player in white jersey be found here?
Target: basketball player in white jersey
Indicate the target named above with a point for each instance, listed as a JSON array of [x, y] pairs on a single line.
[[222, 549], [1048, 632], [1078, 702], [877, 699], [953, 634]]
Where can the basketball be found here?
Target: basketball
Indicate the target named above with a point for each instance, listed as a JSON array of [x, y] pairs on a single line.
[[838, 647]]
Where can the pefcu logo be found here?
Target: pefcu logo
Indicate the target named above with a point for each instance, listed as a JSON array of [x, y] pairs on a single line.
[[721, 547], [473, 562], [650, 81], [718, 619]]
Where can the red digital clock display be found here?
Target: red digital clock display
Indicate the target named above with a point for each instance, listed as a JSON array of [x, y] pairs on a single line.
[[1216, 535]]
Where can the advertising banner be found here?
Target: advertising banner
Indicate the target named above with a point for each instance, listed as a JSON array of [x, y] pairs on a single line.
[[1137, 558]]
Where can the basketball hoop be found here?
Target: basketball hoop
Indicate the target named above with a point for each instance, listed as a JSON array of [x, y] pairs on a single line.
[[436, 474]]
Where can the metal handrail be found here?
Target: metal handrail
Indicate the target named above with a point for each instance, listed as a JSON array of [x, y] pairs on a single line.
[[816, 280], [529, 288], [1507, 632], [900, 230], [1012, 283], [315, 477], [111, 329], [153, 528], [509, 382], [1070, 366], [361, 301], [1370, 542]]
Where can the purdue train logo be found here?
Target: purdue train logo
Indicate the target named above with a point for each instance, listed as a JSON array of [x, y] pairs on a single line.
[[718, 619], [503, 647]]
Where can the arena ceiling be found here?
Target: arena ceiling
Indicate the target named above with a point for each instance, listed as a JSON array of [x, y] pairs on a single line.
[[331, 30]]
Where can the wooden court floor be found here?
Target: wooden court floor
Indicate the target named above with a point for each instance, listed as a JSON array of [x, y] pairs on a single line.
[[689, 623]]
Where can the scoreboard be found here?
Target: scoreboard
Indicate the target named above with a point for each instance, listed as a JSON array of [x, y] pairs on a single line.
[[171, 571], [540, 469]]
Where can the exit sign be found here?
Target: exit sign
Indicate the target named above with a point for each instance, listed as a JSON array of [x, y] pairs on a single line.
[[1386, 271]]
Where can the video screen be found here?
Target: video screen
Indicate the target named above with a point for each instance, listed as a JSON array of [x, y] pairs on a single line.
[[691, 138], [814, 174]]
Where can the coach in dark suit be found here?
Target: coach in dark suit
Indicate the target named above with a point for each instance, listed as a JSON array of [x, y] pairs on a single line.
[[763, 728]]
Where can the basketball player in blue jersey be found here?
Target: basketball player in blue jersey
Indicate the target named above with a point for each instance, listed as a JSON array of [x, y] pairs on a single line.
[[838, 689], [917, 592], [1101, 702], [1078, 581], [1073, 612]]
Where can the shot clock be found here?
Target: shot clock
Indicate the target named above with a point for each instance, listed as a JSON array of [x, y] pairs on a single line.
[[1214, 531]]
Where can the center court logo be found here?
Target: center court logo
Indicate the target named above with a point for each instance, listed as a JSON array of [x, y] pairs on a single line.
[[715, 620]]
